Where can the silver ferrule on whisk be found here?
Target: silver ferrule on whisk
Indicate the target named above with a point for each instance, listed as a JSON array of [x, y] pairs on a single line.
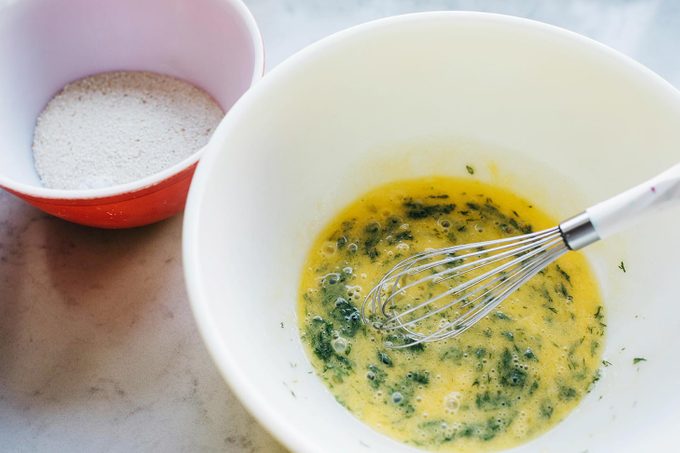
[[578, 231]]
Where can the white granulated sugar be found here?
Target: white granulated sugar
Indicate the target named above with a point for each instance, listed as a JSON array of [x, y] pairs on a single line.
[[117, 127]]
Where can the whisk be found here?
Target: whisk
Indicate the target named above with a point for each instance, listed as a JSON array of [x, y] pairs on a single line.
[[457, 286]]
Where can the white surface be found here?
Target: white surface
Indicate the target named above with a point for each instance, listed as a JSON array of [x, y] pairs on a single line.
[[98, 348], [417, 95]]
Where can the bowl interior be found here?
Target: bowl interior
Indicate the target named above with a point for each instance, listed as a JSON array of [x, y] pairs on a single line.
[[557, 118], [46, 44]]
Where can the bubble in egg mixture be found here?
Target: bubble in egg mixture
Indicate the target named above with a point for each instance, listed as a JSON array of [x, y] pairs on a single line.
[[452, 402], [329, 248], [331, 279], [403, 247], [339, 345]]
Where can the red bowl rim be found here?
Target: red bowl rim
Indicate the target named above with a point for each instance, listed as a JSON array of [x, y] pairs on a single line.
[[115, 198]]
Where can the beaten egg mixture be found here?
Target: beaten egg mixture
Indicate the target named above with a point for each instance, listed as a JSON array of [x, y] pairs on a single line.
[[509, 378]]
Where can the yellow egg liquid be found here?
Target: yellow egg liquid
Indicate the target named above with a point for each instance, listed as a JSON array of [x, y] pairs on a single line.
[[512, 376]]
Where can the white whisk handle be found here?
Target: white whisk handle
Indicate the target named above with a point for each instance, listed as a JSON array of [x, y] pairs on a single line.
[[621, 211]]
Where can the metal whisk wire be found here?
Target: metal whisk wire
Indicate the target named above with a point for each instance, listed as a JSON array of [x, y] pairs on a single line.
[[496, 268]]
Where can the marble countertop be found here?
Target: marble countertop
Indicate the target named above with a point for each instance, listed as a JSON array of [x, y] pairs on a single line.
[[98, 347]]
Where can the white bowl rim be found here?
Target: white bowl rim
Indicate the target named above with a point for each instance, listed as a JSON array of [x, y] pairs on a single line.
[[292, 436], [47, 193]]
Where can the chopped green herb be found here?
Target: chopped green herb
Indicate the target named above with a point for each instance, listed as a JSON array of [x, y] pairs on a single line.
[[491, 401], [375, 375], [509, 335], [598, 314], [606, 363], [637, 360], [567, 393], [373, 235], [493, 211], [533, 388], [402, 393], [529, 354], [596, 377], [419, 210], [505, 228], [561, 271], [510, 375], [421, 377], [622, 266], [546, 294], [404, 236], [594, 346], [485, 431], [347, 225], [563, 291], [454, 354], [333, 287], [547, 409], [384, 358], [393, 222], [347, 316], [503, 316], [321, 334], [470, 169], [552, 309]]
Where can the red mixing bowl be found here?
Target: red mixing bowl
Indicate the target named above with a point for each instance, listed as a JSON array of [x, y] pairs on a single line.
[[44, 44]]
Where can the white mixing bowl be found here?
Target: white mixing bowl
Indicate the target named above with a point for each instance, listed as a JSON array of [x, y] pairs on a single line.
[[558, 118]]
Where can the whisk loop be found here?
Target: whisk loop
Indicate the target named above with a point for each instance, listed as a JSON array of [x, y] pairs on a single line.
[[420, 294]]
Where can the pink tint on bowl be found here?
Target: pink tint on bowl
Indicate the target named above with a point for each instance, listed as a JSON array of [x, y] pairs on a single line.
[[44, 44]]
